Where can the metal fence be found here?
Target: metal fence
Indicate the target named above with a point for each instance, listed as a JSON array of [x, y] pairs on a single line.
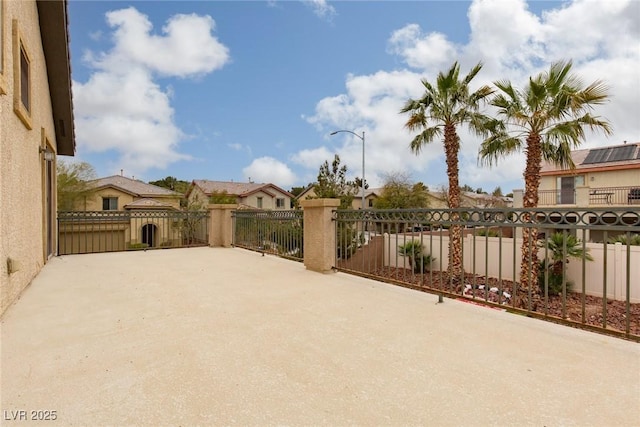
[[587, 268], [275, 232], [110, 231]]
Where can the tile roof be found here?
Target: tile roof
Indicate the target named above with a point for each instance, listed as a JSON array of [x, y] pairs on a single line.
[[147, 203], [241, 189], [139, 188]]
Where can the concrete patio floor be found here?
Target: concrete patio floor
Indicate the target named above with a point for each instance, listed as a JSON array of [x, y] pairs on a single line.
[[209, 336]]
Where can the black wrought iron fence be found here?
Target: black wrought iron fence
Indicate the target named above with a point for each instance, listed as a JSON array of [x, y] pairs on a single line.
[[109, 231], [275, 232], [582, 267]]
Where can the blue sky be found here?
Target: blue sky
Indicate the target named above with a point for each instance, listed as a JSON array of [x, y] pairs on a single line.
[[232, 90]]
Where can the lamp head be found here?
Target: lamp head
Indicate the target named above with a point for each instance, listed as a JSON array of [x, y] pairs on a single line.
[[333, 133]]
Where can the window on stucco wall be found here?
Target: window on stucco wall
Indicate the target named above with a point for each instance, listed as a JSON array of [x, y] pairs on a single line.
[[2, 43], [21, 78], [109, 203]]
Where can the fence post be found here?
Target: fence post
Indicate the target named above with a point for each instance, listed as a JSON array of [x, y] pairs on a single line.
[[319, 234], [221, 225]]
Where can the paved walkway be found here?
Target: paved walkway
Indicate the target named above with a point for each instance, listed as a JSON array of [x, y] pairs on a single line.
[[227, 337]]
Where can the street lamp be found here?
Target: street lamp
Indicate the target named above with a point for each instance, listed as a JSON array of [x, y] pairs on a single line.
[[362, 139]]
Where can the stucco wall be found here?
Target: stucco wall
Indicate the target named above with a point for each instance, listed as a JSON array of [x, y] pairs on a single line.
[[21, 164], [614, 178]]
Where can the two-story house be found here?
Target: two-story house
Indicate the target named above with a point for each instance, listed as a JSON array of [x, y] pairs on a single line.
[[36, 125], [120, 213], [603, 176], [248, 195]]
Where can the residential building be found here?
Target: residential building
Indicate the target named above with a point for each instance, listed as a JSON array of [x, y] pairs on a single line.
[[436, 199], [249, 195], [121, 213], [121, 193], [36, 125], [603, 176]]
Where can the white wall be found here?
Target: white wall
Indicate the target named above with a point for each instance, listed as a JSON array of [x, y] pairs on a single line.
[[486, 253]]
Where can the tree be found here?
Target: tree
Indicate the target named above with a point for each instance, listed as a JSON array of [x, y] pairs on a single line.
[[172, 183], [497, 192], [73, 183], [545, 119], [222, 198], [398, 193], [442, 108], [333, 183]]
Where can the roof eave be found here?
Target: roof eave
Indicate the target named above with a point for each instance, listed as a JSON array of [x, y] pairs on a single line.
[[54, 32]]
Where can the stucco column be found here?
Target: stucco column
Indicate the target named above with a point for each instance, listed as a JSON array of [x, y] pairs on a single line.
[[518, 202], [319, 234], [221, 225]]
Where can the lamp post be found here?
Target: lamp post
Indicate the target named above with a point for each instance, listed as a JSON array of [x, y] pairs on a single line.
[[362, 139]]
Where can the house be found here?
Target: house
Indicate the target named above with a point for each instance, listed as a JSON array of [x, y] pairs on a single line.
[[248, 195], [121, 193], [36, 125], [121, 213], [370, 194], [603, 176]]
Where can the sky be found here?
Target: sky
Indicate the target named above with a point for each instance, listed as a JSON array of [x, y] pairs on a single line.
[[251, 90]]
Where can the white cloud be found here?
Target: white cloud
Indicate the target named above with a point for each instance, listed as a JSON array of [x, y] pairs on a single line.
[[428, 52], [121, 107], [513, 43], [269, 170], [321, 8]]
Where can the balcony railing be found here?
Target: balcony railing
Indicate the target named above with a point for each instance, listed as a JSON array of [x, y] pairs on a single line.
[[591, 196]]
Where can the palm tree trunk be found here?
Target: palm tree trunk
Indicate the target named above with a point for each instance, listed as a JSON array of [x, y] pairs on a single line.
[[451, 147], [530, 264]]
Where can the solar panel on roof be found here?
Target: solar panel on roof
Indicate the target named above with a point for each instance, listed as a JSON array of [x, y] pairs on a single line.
[[596, 156], [622, 153]]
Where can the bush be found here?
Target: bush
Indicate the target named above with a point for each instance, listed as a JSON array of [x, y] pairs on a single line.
[[487, 232], [138, 246], [633, 240], [419, 261], [555, 279]]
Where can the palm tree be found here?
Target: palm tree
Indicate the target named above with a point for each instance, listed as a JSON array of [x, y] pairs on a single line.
[[546, 119], [443, 107]]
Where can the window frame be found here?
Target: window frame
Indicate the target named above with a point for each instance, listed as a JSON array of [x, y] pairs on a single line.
[[3, 82], [259, 203], [20, 47], [280, 202], [109, 199]]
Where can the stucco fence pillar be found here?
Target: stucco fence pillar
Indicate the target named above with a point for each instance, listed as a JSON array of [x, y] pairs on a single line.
[[221, 225], [319, 234]]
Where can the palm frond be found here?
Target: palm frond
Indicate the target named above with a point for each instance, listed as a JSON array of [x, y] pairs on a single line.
[[427, 136]]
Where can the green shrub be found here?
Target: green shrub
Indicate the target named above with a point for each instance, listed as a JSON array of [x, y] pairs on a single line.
[[633, 240], [138, 246], [561, 247], [487, 232], [419, 261]]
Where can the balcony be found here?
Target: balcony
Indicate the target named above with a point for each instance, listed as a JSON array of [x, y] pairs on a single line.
[[219, 336], [591, 197]]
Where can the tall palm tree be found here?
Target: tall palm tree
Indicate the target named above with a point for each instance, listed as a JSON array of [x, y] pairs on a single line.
[[443, 107], [546, 119]]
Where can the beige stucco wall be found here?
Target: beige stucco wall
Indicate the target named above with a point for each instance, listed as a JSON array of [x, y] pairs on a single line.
[[21, 165], [614, 178], [197, 196], [268, 201]]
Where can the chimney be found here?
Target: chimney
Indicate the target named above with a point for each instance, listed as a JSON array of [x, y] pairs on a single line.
[[121, 172]]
